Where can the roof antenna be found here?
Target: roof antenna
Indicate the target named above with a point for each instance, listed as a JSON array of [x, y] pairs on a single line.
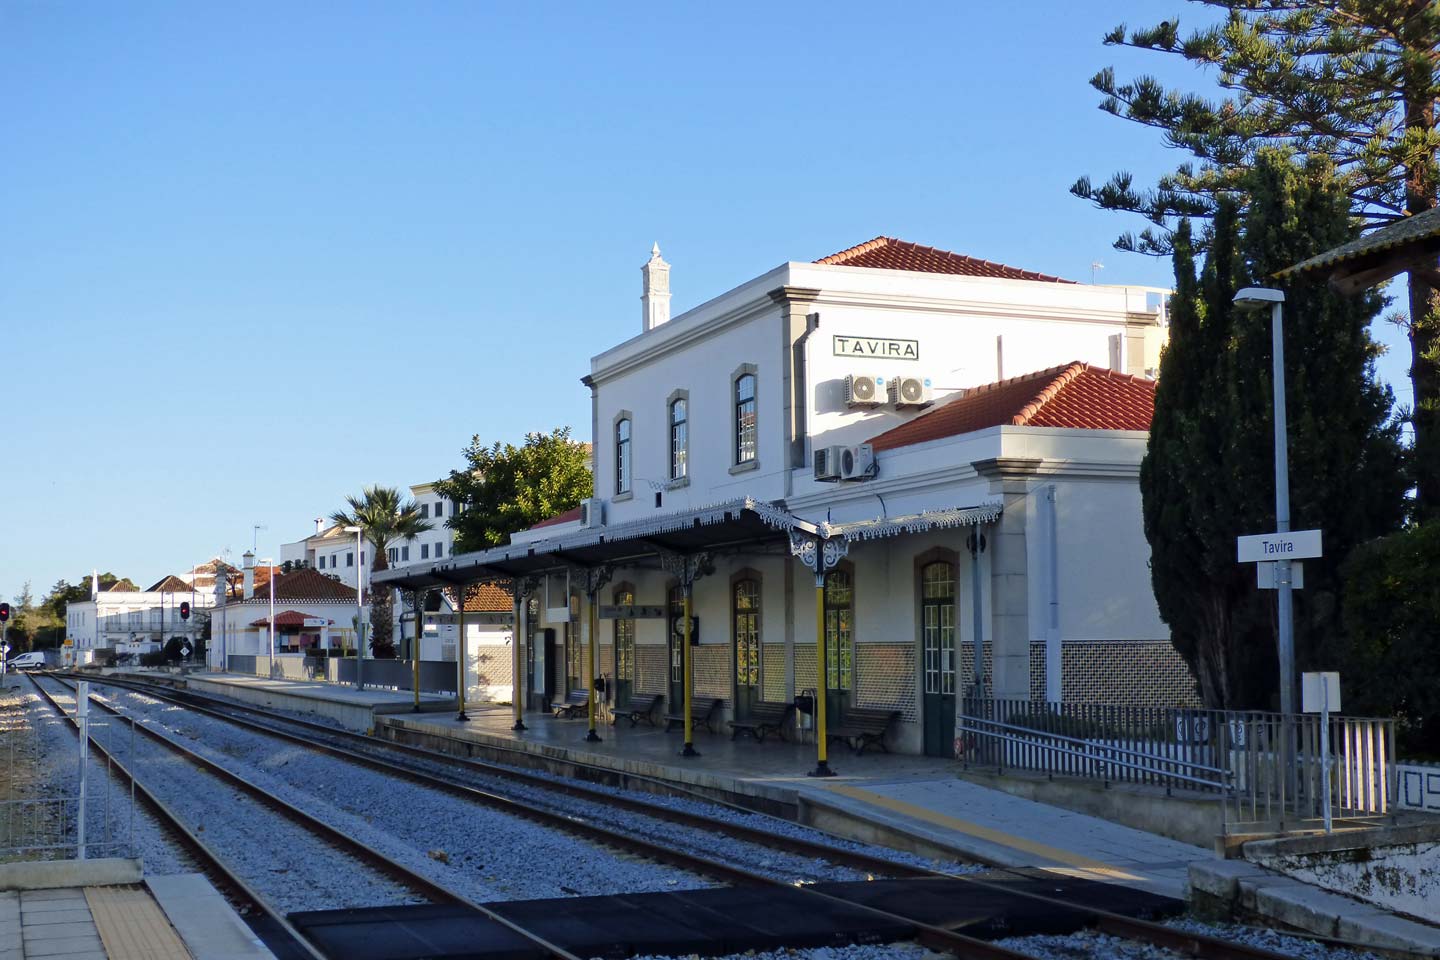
[[1094, 266]]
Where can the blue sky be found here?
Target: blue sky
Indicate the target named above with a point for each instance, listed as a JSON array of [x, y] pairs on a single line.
[[257, 256]]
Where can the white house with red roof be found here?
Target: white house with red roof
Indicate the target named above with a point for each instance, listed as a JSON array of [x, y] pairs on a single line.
[[312, 611], [963, 439]]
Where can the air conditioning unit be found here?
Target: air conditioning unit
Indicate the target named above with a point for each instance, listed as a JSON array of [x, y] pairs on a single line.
[[864, 390], [857, 462], [910, 391], [827, 463], [592, 513]]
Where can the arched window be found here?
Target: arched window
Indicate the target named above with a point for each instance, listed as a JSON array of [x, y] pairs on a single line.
[[745, 418], [679, 438], [745, 599], [937, 626], [839, 630], [624, 637], [622, 455]]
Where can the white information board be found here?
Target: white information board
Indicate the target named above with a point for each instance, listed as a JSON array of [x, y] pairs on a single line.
[[1313, 692], [1294, 545]]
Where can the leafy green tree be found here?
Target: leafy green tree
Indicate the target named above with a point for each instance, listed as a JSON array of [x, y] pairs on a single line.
[[1208, 474], [505, 488], [1351, 82], [384, 515], [1392, 667]]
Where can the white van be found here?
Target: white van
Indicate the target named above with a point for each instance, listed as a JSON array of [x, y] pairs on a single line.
[[34, 660]]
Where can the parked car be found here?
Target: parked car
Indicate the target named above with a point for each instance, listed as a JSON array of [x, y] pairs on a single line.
[[34, 660]]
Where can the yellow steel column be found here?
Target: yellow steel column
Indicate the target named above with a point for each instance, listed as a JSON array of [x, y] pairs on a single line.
[[415, 653], [460, 655], [591, 659], [522, 625], [822, 765], [689, 750]]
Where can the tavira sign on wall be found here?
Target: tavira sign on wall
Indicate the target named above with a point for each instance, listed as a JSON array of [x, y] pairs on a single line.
[[880, 348]]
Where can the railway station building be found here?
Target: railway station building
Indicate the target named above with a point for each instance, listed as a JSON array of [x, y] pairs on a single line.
[[897, 454]]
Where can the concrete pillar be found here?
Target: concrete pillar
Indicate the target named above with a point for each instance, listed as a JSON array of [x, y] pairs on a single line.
[[1009, 627]]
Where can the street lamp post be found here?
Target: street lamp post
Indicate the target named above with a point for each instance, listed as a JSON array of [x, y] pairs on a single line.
[[1257, 298], [270, 583], [359, 606]]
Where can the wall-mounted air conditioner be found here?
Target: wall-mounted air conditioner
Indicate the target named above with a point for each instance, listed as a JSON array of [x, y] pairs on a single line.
[[592, 513], [857, 462], [910, 391], [864, 390], [827, 463]]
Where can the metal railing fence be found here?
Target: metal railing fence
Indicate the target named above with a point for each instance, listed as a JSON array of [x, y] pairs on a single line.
[[1264, 768], [436, 676]]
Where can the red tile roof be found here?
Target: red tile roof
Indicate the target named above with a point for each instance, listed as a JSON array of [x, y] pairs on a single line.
[[488, 598], [290, 618], [1075, 395], [887, 253], [565, 517], [171, 584], [304, 584]]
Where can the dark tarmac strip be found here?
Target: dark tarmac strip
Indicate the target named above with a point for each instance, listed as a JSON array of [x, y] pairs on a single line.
[[721, 921]]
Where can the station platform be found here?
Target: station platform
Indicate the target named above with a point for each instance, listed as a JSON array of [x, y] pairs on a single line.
[[355, 709], [921, 804], [162, 918]]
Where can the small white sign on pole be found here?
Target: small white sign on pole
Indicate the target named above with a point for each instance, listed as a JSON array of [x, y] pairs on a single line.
[[316, 621], [1320, 692], [1294, 545], [1267, 575]]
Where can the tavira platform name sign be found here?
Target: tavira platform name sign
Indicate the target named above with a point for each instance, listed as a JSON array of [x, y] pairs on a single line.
[[1293, 545], [882, 348]]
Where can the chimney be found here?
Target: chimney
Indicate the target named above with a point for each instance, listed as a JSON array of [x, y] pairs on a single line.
[[247, 565], [655, 301], [319, 524]]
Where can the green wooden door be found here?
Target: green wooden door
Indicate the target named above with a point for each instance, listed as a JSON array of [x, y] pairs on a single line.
[[745, 643], [624, 651], [675, 646], [937, 643]]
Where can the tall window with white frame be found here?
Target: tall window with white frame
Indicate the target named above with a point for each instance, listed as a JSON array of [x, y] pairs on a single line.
[[745, 418], [679, 439], [622, 455]]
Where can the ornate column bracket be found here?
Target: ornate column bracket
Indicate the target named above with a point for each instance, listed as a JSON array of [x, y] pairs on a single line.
[[820, 555], [688, 567], [592, 579]]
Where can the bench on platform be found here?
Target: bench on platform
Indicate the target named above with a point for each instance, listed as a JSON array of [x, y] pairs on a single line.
[[641, 707], [765, 718], [575, 704], [861, 727], [702, 710]]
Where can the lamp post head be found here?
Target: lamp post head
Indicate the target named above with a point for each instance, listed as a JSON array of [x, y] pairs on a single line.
[[1256, 298]]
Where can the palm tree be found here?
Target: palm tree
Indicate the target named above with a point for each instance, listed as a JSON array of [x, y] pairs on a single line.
[[383, 516]]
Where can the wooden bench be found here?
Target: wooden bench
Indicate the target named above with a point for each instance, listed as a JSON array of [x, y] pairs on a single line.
[[764, 718], [859, 728], [577, 703], [641, 707], [702, 710]]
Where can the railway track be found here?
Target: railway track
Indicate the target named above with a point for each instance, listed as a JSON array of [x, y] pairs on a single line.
[[364, 748], [229, 879]]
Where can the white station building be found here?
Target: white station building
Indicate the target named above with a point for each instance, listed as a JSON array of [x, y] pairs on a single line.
[[950, 445]]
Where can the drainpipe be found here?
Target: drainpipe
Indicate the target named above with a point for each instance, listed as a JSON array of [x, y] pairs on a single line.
[[800, 399], [1054, 661]]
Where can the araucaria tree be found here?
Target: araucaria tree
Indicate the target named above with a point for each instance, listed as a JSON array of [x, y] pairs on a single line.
[[1351, 82], [1208, 473], [504, 488], [383, 515]]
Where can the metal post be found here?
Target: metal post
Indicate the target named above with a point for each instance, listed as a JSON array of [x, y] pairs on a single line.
[[591, 658], [686, 589], [1282, 515], [822, 757], [977, 546], [1325, 751], [82, 717], [522, 627], [415, 651], [270, 582], [359, 607], [460, 656]]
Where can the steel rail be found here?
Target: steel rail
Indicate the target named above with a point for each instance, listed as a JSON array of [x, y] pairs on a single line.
[[336, 837], [1130, 928], [239, 892]]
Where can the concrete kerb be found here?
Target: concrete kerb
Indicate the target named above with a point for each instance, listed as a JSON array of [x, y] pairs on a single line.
[[52, 874], [1242, 890]]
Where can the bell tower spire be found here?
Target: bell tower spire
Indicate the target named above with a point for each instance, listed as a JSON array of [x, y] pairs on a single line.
[[655, 298]]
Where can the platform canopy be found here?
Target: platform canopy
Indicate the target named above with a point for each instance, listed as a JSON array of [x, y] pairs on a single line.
[[1412, 244], [737, 525]]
